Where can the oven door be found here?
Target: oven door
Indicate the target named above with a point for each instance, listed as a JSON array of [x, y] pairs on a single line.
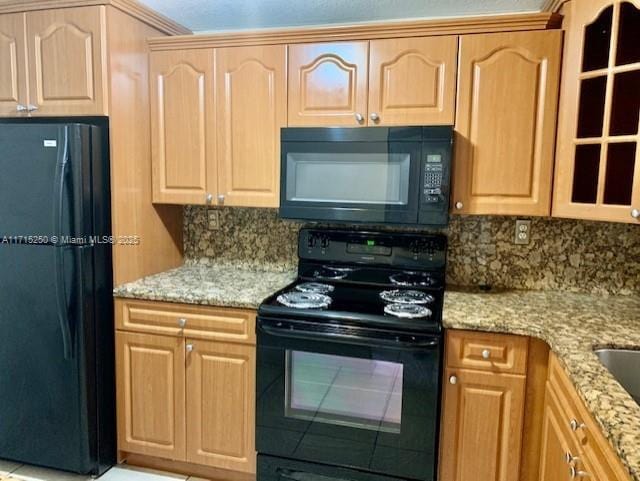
[[374, 181], [356, 399]]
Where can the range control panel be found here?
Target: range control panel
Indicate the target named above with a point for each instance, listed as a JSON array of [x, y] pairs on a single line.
[[382, 248]]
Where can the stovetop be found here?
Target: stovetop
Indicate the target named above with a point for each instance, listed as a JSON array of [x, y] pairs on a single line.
[[342, 280]]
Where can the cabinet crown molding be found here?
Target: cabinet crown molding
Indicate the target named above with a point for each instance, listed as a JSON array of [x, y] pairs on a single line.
[[369, 31], [131, 7]]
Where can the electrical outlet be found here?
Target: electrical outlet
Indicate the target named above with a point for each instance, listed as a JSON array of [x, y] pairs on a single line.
[[213, 219], [523, 232]]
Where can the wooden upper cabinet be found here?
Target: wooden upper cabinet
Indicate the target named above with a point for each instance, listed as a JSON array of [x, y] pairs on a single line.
[[251, 107], [13, 63], [66, 55], [182, 116], [412, 81], [328, 84], [598, 153], [505, 123], [221, 405], [150, 391]]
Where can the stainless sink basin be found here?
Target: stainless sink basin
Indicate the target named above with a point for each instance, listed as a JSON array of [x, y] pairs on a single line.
[[624, 364]]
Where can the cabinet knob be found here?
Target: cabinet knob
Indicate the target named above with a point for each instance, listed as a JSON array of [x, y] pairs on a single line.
[[31, 108], [189, 347], [459, 205], [209, 198], [220, 199], [575, 473], [182, 322], [486, 354], [635, 213], [21, 108], [570, 458], [574, 424], [453, 380], [375, 117], [359, 118]]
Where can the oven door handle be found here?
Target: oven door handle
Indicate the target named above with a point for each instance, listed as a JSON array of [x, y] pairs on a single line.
[[296, 330]]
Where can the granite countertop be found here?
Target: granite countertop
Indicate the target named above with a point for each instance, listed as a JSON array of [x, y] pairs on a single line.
[[573, 325], [223, 286]]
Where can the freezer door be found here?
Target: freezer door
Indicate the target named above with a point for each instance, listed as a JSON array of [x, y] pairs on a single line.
[[47, 365], [45, 186]]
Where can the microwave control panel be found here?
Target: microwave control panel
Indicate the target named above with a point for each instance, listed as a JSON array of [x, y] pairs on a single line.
[[433, 172]]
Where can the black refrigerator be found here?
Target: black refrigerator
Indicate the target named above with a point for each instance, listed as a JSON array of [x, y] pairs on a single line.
[[57, 389]]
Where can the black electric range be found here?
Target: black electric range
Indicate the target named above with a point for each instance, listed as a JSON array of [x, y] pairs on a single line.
[[349, 356]]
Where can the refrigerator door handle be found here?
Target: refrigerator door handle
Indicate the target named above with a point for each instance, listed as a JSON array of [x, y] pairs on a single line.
[[59, 280], [61, 300]]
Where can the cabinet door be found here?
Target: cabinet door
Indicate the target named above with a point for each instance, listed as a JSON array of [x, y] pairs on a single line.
[[328, 84], [182, 135], [412, 81], [251, 100], [67, 68], [505, 123], [150, 390], [555, 444], [221, 405], [598, 155], [481, 427], [13, 63]]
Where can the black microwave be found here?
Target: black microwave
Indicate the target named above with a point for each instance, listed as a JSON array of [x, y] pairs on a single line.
[[374, 175]]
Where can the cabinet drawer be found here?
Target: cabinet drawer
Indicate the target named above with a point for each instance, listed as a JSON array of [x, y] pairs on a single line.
[[598, 453], [487, 352], [199, 322]]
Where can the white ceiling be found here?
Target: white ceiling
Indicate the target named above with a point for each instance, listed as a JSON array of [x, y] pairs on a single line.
[[216, 15]]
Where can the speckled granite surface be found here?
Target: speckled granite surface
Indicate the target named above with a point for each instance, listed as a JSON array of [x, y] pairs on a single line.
[[570, 255], [222, 286], [573, 325]]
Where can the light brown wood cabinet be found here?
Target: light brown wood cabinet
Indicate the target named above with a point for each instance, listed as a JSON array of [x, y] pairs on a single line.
[[505, 123], [409, 81], [251, 107], [483, 407], [216, 116], [598, 152], [151, 387], [13, 64], [571, 439], [182, 120], [186, 383], [65, 61]]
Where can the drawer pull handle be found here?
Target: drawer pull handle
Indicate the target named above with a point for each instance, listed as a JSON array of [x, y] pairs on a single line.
[[182, 322], [575, 425], [574, 473], [189, 347], [453, 380], [486, 354]]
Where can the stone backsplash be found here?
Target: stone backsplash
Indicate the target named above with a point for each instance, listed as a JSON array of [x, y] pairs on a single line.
[[563, 254]]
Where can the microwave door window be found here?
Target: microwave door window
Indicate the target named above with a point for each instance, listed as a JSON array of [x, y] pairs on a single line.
[[374, 178], [344, 391]]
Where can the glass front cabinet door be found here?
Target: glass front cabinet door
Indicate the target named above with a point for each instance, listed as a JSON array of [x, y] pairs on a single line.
[[598, 152]]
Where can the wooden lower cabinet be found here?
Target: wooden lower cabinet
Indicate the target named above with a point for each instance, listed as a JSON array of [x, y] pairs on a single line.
[[481, 432], [221, 405], [185, 397], [150, 391]]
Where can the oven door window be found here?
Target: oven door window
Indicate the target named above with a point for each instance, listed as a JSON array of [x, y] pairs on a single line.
[[344, 391], [374, 178]]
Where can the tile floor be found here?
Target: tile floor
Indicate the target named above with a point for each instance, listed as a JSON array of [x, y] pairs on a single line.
[[10, 471]]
